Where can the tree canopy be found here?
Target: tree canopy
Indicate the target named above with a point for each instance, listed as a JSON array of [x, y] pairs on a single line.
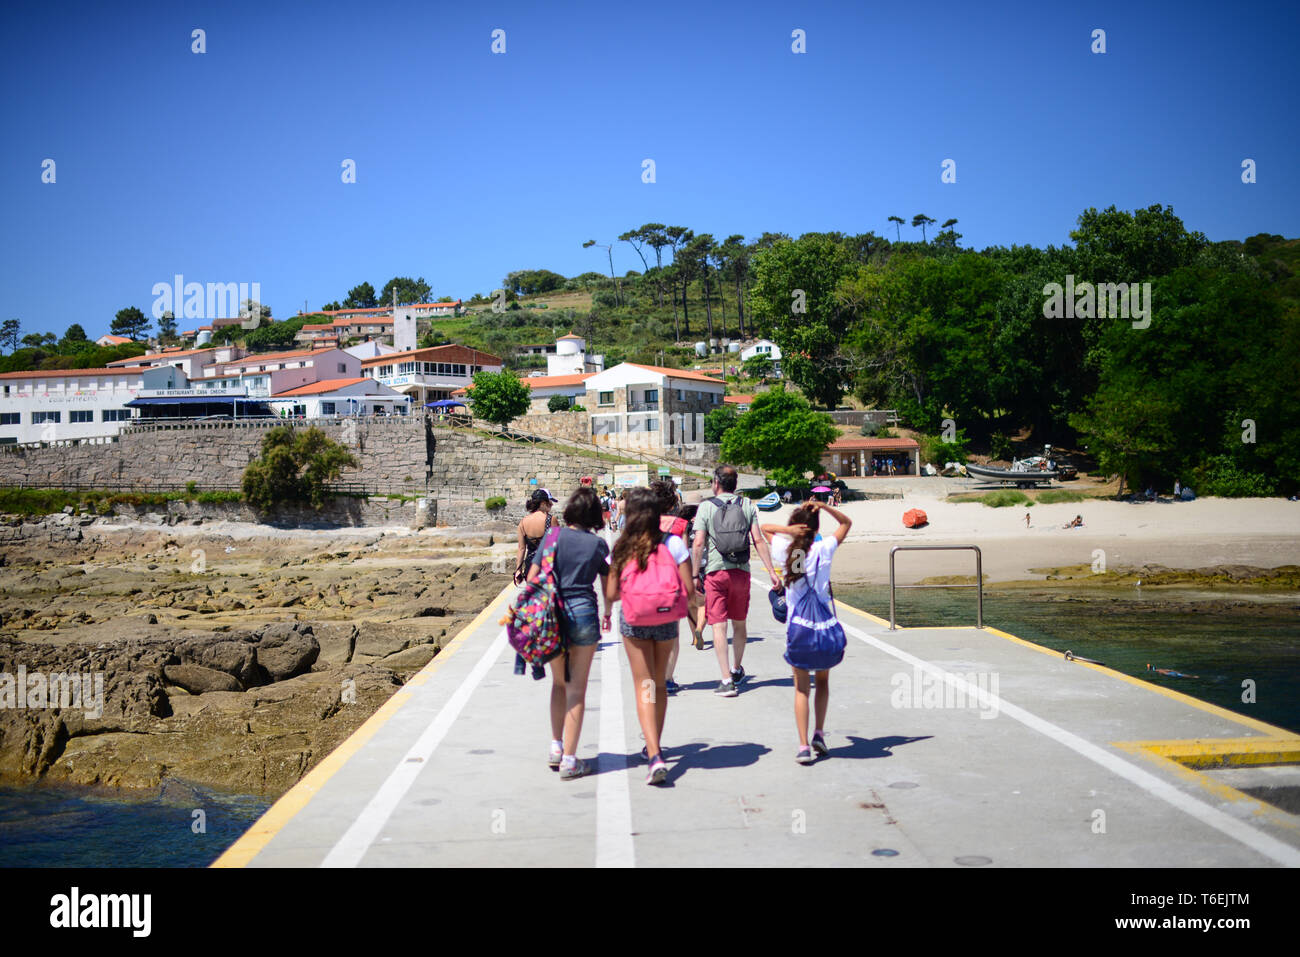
[[780, 430], [499, 397]]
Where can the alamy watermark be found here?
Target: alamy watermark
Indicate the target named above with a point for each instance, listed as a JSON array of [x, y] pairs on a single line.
[[37, 691], [213, 300], [922, 689], [1085, 301]]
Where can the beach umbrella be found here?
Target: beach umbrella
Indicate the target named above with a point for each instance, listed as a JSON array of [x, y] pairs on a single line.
[[821, 488]]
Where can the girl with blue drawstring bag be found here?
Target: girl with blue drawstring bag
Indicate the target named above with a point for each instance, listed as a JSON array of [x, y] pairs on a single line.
[[814, 637]]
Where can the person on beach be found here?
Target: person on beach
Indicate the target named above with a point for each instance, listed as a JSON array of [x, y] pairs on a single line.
[[580, 555], [807, 582], [1076, 523], [644, 560], [532, 529], [726, 576]]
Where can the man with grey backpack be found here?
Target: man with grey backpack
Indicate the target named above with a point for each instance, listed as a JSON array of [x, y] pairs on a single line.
[[725, 527]]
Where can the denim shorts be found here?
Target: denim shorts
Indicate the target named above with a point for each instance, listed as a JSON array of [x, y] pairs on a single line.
[[580, 625]]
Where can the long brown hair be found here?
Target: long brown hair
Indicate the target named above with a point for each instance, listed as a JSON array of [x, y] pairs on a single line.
[[796, 559], [641, 534]]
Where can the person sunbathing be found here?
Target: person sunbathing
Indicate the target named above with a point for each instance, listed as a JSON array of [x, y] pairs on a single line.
[[1077, 523]]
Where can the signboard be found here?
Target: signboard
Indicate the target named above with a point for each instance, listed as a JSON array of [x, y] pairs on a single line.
[[664, 470]]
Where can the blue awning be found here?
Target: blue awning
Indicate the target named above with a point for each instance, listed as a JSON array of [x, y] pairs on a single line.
[[444, 404]]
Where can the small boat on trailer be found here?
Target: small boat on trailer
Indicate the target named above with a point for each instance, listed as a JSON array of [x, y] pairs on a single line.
[[769, 503], [1024, 473]]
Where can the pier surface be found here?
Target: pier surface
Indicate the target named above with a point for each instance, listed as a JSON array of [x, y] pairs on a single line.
[[949, 747]]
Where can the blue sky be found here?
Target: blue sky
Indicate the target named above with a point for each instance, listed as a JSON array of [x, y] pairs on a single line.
[[226, 166]]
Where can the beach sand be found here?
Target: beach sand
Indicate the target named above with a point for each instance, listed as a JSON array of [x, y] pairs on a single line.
[[1203, 534]]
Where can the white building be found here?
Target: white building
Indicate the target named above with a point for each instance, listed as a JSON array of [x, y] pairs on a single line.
[[111, 340], [67, 404], [340, 397], [303, 366], [571, 358], [192, 362], [764, 347], [430, 374], [638, 406], [370, 349]]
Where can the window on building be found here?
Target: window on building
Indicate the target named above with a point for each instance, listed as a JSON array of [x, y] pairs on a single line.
[[652, 425], [652, 395], [327, 408], [717, 397], [11, 418], [40, 418], [681, 395], [81, 415], [606, 398], [115, 415], [604, 425], [343, 367]]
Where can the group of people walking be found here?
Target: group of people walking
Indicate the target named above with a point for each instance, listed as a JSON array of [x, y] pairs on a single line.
[[672, 562]]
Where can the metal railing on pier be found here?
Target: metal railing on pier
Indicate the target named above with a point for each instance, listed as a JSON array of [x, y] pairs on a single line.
[[978, 586]]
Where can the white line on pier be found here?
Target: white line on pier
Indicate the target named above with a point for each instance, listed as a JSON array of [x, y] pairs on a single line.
[[613, 800], [352, 846]]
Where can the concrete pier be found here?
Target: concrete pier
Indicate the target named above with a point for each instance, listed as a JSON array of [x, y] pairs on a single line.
[[950, 747]]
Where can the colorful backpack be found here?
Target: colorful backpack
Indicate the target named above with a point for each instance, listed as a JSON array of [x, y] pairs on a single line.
[[533, 624], [653, 595]]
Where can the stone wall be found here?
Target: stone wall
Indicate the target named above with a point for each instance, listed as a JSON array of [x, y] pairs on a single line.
[[395, 455]]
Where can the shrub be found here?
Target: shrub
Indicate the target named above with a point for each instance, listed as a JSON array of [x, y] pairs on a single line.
[[1220, 476], [495, 502], [1055, 495], [870, 428], [577, 408], [294, 468], [784, 477], [558, 403], [1002, 498]]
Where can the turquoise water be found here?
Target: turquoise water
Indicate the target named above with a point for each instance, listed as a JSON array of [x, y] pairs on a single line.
[[1257, 639], [57, 827]]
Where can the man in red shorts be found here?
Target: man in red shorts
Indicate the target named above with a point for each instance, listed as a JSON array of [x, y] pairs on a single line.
[[725, 527]]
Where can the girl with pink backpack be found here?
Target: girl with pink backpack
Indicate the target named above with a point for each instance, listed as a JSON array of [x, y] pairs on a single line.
[[650, 574]]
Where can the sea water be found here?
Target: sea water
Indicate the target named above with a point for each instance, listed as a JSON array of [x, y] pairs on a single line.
[[65, 827], [1252, 649]]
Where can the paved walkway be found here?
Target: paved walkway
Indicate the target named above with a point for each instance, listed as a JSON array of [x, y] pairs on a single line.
[[949, 747]]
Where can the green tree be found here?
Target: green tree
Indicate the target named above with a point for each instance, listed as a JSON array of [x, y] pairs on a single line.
[[922, 220], [898, 226], [793, 298], [166, 326], [780, 430], [39, 340], [130, 322], [758, 366], [719, 422], [408, 291], [9, 330], [558, 403], [361, 297], [74, 339], [499, 397], [294, 468]]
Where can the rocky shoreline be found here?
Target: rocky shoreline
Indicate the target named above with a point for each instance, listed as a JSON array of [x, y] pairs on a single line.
[[234, 657]]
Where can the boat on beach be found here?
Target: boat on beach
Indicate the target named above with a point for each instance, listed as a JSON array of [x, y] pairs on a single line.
[[769, 503]]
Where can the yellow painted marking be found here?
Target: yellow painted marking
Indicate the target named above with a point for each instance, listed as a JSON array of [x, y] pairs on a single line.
[[1261, 726], [1157, 753], [1226, 752], [298, 796]]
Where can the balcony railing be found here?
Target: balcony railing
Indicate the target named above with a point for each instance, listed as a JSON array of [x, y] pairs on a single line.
[[643, 406]]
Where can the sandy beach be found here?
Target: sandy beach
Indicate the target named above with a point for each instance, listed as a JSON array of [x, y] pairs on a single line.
[[1203, 534]]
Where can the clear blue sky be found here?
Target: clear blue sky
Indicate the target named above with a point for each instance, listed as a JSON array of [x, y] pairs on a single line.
[[225, 166]]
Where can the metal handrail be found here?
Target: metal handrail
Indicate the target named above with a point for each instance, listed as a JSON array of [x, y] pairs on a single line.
[[979, 577]]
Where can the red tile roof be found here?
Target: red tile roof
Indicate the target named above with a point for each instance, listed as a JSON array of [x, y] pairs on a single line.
[[679, 373], [116, 340], [738, 399], [325, 385], [548, 381], [257, 358], [852, 443]]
